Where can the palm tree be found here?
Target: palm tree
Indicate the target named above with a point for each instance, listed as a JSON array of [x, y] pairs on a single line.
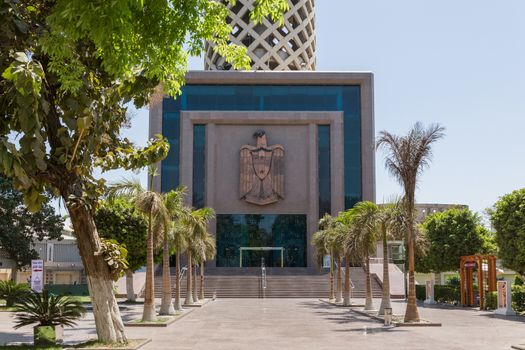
[[207, 251], [363, 222], [392, 225], [152, 205], [407, 157], [197, 225], [326, 243], [13, 292], [173, 202], [180, 244]]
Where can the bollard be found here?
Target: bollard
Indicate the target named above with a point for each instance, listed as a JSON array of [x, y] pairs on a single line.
[[388, 316]]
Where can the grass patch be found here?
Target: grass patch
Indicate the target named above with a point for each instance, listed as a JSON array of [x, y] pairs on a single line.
[[81, 298], [158, 321], [5, 308], [94, 344], [28, 347]]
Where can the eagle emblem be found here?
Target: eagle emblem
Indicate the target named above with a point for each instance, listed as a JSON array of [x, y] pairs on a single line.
[[262, 171]]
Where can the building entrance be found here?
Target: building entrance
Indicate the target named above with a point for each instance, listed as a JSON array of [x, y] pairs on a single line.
[[244, 239]]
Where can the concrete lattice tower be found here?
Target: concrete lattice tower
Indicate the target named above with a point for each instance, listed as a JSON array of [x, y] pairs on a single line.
[[271, 46]]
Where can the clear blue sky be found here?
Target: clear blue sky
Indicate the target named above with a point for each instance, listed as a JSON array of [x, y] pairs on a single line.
[[459, 63]]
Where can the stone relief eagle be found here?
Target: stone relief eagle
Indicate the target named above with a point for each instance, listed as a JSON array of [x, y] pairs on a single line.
[[261, 171]]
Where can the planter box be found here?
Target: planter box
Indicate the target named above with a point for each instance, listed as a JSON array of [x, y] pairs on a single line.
[[48, 335]]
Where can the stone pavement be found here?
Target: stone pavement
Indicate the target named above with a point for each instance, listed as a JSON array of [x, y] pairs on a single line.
[[305, 324]]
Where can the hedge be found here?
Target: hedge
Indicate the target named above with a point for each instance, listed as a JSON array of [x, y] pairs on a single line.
[[442, 293], [68, 289]]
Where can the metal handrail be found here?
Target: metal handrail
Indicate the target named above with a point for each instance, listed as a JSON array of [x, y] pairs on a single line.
[[263, 278], [182, 272]]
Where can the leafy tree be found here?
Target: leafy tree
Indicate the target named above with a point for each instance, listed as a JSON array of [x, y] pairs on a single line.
[[69, 67], [508, 219], [121, 221], [20, 228], [407, 156], [450, 235]]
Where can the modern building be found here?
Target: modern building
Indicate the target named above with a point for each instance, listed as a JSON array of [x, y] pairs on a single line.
[[271, 150]]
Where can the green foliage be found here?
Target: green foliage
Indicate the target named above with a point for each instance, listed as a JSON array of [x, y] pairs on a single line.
[[451, 234], [491, 301], [453, 281], [13, 292], [518, 280], [115, 256], [508, 219], [518, 298], [45, 309], [442, 293], [20, 228], [121, 221]]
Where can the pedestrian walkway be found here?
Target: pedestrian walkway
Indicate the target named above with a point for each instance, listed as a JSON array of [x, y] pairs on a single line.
[[305, 324]]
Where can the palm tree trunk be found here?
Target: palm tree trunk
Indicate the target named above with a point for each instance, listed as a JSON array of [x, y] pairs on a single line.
[[339, 292], [201, 289], [385, 301], [346, 299], [369, 303], [332, 295], [148, 313], [411, 313], [177, 306], [195, 294], [166, 306], [130, 292], [189, 289]]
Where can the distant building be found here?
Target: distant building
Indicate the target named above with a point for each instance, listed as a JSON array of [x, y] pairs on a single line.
[[62, 263]]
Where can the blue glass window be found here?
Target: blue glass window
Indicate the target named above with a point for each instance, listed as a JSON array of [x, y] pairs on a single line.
[[254, 230], [323, 153], [199, 165]]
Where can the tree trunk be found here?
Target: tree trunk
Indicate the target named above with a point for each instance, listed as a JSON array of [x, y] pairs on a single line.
[[130, 292], [178, 306], [332, 295], [201, 289], [339, 293], [195, 295], [108, 321], [14, 275], [148, 313], [385, 301], [346, 299], [369, 303], [411, 313], [189, 289], [166, 306]]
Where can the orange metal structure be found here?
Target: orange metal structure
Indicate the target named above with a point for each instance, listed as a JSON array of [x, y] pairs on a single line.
[[466, 271]]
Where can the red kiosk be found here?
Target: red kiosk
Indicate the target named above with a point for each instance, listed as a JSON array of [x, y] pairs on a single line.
[[485, 278]]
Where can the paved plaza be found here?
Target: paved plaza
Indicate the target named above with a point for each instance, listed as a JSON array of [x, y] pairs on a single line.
[[303, 324]]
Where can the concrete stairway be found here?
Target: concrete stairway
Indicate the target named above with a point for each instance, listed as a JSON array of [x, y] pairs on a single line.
[[246, 283]]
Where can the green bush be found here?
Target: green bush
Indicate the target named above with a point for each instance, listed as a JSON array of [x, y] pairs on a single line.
[[420, 292], [68, 289], [442, 294], [491, 301], [453, 281], [518, 297], [12, 292]]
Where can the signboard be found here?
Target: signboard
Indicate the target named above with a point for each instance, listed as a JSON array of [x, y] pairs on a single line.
[[37, 275], [502, 294], [470, 264]]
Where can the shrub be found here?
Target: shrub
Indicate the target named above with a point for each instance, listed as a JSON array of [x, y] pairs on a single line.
[[46, 309], [420, 292], [491, 301], [518, 297], [12, 292], [442, 294]]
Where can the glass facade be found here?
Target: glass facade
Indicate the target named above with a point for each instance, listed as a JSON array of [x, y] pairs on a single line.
[[268, 98], [199, 165], [323, 152], [254, 230]]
